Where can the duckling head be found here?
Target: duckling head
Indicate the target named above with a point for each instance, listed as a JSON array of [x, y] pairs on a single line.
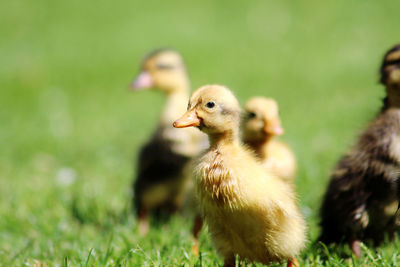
[[390, 68], [162, 69], [390, 75], [261, 120], [214, 110]]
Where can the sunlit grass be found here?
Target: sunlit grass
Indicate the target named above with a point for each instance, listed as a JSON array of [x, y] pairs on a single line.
[[70, 129]]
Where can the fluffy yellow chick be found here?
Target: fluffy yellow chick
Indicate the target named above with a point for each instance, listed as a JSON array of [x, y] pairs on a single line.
[[261, 125], [164, 163], [249, 212]]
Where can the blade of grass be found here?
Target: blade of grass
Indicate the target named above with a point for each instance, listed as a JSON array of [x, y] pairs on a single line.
[[88, 257]]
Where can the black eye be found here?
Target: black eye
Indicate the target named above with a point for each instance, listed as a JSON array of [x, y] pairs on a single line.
[[252, 115], [164, 66], [210, 104]]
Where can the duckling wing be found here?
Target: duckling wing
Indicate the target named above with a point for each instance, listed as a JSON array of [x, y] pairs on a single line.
[[343, 212]]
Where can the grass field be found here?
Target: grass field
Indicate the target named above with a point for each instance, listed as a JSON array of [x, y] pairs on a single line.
[[70, 129]]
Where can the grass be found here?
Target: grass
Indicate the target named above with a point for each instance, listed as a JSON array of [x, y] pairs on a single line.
[[70, 130]]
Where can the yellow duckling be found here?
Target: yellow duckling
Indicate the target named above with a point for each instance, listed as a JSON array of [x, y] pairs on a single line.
[[249, 212], [260, 127], [164, 174]]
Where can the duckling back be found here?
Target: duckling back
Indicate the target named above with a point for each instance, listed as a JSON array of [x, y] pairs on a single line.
[[361, 198], [279, 160], [160, 176]]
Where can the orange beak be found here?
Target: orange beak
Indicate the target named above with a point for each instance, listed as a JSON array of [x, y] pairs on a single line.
[[187, 120], [273, 127]]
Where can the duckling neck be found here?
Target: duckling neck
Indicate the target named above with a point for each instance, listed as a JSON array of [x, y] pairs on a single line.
[[175, 105], [392, 99], [392, 102], [219, 140]]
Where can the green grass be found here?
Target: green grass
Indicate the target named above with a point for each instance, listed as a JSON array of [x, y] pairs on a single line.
[[66, 113]]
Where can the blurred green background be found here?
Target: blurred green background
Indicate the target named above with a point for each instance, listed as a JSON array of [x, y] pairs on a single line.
[[70, 129]]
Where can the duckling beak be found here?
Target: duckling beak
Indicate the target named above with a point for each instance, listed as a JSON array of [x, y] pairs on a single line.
[[187, 120], [142, 81], [273, 128]]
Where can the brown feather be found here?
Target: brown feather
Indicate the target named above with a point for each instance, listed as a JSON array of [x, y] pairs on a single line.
[[363, 194]]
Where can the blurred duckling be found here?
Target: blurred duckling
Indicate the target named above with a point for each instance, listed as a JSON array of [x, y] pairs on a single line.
[[260, 127], [249, 212], [362, 198], [163, 174]]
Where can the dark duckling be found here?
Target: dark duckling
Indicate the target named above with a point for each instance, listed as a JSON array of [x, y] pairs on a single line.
[[163, 168], [362, 198]]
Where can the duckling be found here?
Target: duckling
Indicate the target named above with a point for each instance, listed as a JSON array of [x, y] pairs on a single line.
[[164, 161], [362, 198], [250, 212], [260, 127]]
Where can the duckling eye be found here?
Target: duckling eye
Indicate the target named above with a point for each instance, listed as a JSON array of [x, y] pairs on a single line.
[[210, 104], [164, 66], [252, 115]]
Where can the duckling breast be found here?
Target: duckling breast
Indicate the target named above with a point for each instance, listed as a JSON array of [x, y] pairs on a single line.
[[216, 186]]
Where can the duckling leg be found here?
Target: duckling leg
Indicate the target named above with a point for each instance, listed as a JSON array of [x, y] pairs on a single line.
[[143, 221], [198, 224], [391, 235], [293, 263], [355, 246], [229, 261]]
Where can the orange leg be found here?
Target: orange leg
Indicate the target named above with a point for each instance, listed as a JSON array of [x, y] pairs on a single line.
[[143, 222], [198, 224], [355, 246], [293, 263]]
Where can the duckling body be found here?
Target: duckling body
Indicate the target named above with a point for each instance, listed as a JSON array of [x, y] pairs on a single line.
[[279, 159], [264, 223], [164, 175], [362, 198], [261, 127], [250, 213], [161, 176]]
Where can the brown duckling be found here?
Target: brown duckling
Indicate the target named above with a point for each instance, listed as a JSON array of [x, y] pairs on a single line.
[[363, 195], [164, 174], [249, 212], [260, 127]]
